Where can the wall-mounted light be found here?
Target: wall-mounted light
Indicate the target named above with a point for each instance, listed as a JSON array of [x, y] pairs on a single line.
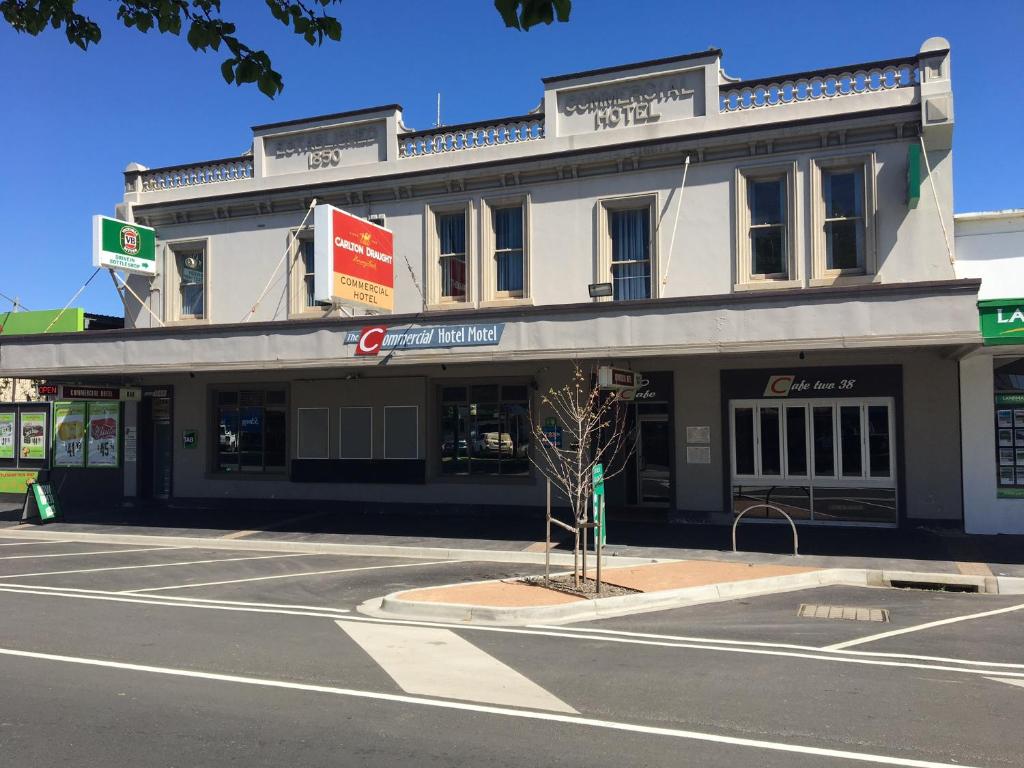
[[599, 290]]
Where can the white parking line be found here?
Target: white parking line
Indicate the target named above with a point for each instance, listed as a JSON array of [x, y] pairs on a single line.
[[587, 722], [282, 576], [83, 554], [152, 565], [813, 655], [38, 541], [216, 605], [921, 627]]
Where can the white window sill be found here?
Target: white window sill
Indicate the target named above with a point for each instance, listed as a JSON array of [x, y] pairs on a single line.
[[517, 301], [188, 321], [767, 285], [450, 305], [841, 280]]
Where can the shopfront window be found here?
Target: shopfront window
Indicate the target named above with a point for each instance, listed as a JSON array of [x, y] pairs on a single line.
[[827, 460], [485, 430], [252, 430], [1008, 378]]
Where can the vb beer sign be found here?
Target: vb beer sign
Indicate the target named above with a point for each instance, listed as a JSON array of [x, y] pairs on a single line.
[[354, 260], [122, 245]]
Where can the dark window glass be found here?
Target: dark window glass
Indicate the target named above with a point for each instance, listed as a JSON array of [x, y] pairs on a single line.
[[227, 398], [451, 235], [824, 457], [227, 440], [844, 219], [453, 394], [878, 440], [796, 441], [251, 437], [516, 392], [308, 272], [274, 439], [767, 200], [508, 249], [771, 457], [850, 440], [631, 253], [485, 436], [743, 439]]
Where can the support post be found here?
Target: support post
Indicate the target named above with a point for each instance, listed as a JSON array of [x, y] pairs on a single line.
[[547, 536]]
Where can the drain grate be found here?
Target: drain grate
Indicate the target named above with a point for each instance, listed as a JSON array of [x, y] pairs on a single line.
[[849, 613]]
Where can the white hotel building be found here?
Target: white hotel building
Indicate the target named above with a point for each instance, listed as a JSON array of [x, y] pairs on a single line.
[[796, 319]]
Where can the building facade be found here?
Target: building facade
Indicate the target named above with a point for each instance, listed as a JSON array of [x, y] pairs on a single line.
[[777, 254], [990, 246]]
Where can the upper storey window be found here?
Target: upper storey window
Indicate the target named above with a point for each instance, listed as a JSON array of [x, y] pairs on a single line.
[[508, 250], [843, 218], [630, 231], [451, 263], [187, 282], [765, 227]]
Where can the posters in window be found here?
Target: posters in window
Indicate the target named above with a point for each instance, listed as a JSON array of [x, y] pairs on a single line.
[[69, 434], [7, 435], [1020, 458], [1018, 419], [1006, 457], [1004, 418], [1020, 437], [1006, 475], [33, 435], [104, 426], [1005, 437]]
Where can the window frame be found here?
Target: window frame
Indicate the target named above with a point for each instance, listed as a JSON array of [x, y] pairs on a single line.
[[275, 472], [173, 249], [867, 165], [416, 455], [298, 432], [341, 433], [433, 255], [436, 461], [297, 276], [746, 278], [490, 294], [605, 206]]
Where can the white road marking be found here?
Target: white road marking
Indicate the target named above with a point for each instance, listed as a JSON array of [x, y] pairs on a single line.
[[921, 627], [551, 717], [38, 541], [437, 662], [83, 554], [815, 655], [321, 613], [152, 565], [1008, 681], [283, 576], [684, 638]]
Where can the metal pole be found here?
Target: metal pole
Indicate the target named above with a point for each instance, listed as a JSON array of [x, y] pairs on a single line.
[[598, 536], [584, 552], [547, 537]]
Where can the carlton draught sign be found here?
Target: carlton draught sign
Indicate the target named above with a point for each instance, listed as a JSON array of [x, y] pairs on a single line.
[[354, 260]]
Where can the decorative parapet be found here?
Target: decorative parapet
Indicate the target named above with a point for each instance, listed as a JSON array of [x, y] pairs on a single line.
[[213, 172], [455, 138], [813, 86]]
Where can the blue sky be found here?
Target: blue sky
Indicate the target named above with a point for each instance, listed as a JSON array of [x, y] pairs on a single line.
[[72, 120]]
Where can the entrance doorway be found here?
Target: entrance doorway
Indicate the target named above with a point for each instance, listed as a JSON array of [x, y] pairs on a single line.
[[156, 443], [654, 461]]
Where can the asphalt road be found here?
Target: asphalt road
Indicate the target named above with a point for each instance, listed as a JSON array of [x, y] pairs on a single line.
[[142, 656]]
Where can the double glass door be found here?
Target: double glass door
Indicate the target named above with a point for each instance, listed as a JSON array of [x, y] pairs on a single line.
[[823, 460]]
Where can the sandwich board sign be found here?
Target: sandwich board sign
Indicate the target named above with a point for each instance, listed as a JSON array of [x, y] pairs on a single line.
[[123, 245], [41, 502], [354, 260]]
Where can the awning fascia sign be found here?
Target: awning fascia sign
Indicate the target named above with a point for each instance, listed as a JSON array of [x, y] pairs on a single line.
[[89, 392], [1002, 321], [372, 339]]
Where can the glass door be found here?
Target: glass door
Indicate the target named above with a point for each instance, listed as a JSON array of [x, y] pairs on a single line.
[[653, 459]]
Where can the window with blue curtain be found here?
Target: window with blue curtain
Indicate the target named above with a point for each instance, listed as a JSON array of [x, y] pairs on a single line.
[[451, 236], [508, 250], [308, 273], [631, 253]]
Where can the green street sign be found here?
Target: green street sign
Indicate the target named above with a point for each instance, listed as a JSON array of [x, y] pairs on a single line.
[[913, 175], [1002, 321], [189, 438], [598, 482], [123, 245]]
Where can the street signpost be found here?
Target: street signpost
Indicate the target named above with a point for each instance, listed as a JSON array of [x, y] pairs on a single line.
[[599, 527]]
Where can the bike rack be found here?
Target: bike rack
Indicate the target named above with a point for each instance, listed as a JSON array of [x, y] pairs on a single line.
[[796, 550]]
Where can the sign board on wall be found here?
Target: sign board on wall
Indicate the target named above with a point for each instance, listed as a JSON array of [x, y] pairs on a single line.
[[354, 260], [1002, 321], [374, 338], [104, 427], [17, 481], [7, 435], [33, 435], [69, 434], [123, 245]]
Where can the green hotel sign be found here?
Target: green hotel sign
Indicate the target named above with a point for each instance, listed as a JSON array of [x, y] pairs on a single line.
[[1002, 321], [122, 245]]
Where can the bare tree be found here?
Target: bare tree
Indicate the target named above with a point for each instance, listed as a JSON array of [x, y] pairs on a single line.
[[595, 430]]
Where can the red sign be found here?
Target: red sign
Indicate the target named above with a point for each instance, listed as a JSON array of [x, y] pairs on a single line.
[[356, 258], [370, 340], [47, 389]]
